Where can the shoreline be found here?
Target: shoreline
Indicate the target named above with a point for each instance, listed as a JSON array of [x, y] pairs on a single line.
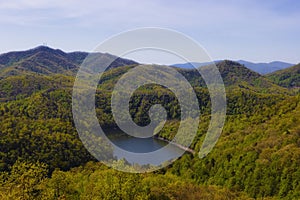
[[177, 145]]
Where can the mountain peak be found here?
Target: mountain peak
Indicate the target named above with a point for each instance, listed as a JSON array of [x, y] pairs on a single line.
[[47, 49], [42, 47], [230, 63], [46, 60]]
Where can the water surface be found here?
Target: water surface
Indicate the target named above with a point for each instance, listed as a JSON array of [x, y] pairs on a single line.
[[143, 145]]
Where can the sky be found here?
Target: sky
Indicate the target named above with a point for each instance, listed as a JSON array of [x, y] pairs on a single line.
[[253, 30]]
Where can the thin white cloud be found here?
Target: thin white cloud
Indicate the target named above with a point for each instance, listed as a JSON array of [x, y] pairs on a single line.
[[236, 23], [32, 4], [185, 14]]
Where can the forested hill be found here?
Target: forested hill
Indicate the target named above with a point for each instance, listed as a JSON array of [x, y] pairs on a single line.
[[45, 60], [235, 74], [289, 77], [26, 81], [42, 157]]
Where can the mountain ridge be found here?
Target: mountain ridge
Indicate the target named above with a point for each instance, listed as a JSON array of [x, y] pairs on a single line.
[[265, 68], [12, 62], [262, 68], [257, 153], [45, 60]]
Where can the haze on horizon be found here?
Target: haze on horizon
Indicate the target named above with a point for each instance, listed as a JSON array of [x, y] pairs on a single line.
[[253, 30]]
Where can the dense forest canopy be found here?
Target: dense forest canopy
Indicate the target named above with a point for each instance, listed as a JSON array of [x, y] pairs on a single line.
[[42, 157], [287, 77]]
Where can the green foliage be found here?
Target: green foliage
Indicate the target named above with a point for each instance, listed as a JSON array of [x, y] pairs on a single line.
[[258, 152], [40, 128], [19, 87], [95, 181], [46, 61], [289, 77], [24, 181]]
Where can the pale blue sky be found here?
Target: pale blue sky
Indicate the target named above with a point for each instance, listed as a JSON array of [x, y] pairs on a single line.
[[254, 30]]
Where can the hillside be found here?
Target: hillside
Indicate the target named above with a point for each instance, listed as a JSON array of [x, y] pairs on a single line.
[[235, 75], [289, 77], [257, 155], [47, 61]]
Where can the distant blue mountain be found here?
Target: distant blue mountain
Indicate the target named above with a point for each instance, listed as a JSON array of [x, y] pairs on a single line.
[[265, 68], [192, 65], [262, 68]]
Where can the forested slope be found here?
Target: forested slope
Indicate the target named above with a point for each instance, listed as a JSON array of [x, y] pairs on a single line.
[[289, 77], [42, 157]]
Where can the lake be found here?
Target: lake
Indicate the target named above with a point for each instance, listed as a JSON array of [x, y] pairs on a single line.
[[143, 145]]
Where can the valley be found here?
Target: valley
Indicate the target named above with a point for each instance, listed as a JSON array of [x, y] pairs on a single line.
[[42, 157]]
